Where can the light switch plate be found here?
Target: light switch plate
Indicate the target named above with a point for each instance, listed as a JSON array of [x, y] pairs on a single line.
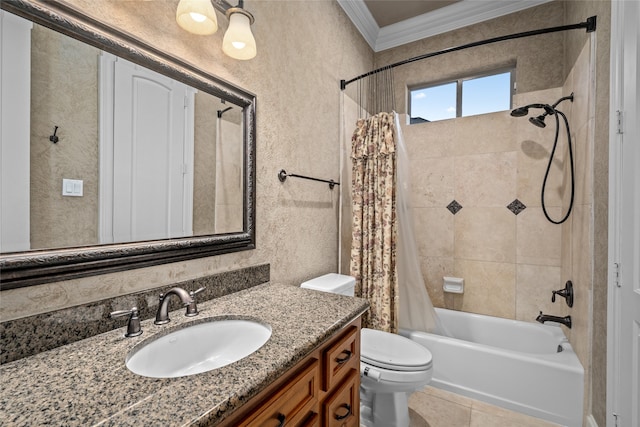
[[72, 187]]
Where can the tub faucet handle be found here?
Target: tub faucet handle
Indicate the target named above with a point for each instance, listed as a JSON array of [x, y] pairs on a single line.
[[133, 327], [192, 309], [566, 293]]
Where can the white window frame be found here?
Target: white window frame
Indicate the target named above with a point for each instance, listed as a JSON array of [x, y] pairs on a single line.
[[459, 82]]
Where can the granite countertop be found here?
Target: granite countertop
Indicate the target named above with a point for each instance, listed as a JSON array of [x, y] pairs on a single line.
[[87, 382]]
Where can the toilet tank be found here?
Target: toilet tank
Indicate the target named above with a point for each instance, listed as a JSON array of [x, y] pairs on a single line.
[[333, 283]]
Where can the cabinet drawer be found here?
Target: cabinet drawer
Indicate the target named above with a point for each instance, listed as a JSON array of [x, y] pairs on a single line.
[[339, 358], [342, 408], [293, 403]]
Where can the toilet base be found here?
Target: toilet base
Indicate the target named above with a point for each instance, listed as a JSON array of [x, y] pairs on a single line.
[[383, 409]]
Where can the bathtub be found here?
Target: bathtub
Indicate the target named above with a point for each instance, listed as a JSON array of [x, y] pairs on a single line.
[[522, 366]]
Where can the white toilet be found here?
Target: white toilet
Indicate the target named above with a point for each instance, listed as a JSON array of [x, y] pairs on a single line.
[[391, 366]]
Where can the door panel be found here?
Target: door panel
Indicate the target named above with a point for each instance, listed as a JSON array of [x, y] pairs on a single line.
[[623, 371], [152, 155]]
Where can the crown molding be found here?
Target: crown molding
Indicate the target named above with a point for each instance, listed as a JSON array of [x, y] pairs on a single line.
[[457, 15], [360, 16]]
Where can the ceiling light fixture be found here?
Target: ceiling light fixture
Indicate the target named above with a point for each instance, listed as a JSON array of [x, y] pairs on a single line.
[[199, 17]]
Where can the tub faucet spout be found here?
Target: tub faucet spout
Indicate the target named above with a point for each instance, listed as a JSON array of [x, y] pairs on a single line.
[[566, 320]]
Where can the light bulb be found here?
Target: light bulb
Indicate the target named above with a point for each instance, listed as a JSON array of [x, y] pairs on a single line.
[[198, 17]]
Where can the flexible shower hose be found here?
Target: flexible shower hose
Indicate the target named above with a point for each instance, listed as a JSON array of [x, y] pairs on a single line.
[[546, 174]]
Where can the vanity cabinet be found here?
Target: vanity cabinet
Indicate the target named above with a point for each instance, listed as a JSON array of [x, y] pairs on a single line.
[[320, 390]]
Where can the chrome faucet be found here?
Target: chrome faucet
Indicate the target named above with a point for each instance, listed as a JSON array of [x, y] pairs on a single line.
[[566, 320], [162, 316]]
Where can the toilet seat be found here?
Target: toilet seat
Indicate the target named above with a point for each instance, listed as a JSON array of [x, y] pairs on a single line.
[[391, 352]]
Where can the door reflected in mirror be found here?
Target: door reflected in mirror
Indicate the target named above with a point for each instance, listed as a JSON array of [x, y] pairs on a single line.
[[137, 155]]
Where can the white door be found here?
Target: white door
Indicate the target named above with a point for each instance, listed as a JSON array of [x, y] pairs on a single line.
[[623, 371], [15, 132], [151, 154]]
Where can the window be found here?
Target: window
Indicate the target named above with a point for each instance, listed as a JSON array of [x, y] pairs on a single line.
[[463, 97]]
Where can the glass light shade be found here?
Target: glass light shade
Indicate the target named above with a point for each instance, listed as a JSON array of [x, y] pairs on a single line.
[[238, 41], [197, 17]]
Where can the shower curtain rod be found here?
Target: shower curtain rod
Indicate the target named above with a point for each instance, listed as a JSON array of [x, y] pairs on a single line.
[[590, 26]]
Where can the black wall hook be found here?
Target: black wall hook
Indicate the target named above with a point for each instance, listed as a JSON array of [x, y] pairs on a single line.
[[54, 138]]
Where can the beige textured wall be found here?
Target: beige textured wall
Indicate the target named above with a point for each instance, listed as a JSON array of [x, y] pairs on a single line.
[[64, 93], [296, 79]]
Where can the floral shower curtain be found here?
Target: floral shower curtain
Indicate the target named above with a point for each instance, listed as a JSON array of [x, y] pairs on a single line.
[[373, 188]]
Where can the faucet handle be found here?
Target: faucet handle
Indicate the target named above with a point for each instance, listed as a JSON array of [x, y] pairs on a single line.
[[192, 309], [566, 293], [133, 327]]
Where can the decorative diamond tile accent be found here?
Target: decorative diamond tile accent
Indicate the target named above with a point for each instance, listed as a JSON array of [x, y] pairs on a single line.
[[516, 206], [454, 207]]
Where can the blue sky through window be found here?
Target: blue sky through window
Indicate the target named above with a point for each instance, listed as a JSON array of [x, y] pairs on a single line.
[[479, 95], [486, 94], [434, 103]]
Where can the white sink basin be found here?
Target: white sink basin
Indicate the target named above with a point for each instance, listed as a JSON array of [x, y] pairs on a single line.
[[198, 348]]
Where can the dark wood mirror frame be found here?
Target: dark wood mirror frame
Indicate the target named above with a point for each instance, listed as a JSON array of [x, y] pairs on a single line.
[[42, 266]]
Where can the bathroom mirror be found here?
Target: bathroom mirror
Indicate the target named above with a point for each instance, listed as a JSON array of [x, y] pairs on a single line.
[[96, 196]]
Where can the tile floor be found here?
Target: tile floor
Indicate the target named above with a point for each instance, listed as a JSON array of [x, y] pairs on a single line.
[[432, 407]]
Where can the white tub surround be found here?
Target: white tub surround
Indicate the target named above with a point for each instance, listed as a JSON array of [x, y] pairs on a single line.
[[522, 366]]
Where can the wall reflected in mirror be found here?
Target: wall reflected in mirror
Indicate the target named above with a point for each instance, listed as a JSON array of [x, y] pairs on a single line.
[[147, 157]]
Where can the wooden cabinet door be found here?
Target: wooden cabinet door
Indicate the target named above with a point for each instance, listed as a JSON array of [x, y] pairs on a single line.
[[342, 408]]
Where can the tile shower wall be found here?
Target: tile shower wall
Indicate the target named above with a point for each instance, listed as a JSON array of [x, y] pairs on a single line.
[[578, 232], [490, 168]]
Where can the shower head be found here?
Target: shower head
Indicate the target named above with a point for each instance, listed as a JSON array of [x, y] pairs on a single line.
[[520, 112], [549, 110], [538, 121], [523, 111]]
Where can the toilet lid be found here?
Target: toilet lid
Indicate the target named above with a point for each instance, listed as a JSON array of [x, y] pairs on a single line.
[[394, 352]]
